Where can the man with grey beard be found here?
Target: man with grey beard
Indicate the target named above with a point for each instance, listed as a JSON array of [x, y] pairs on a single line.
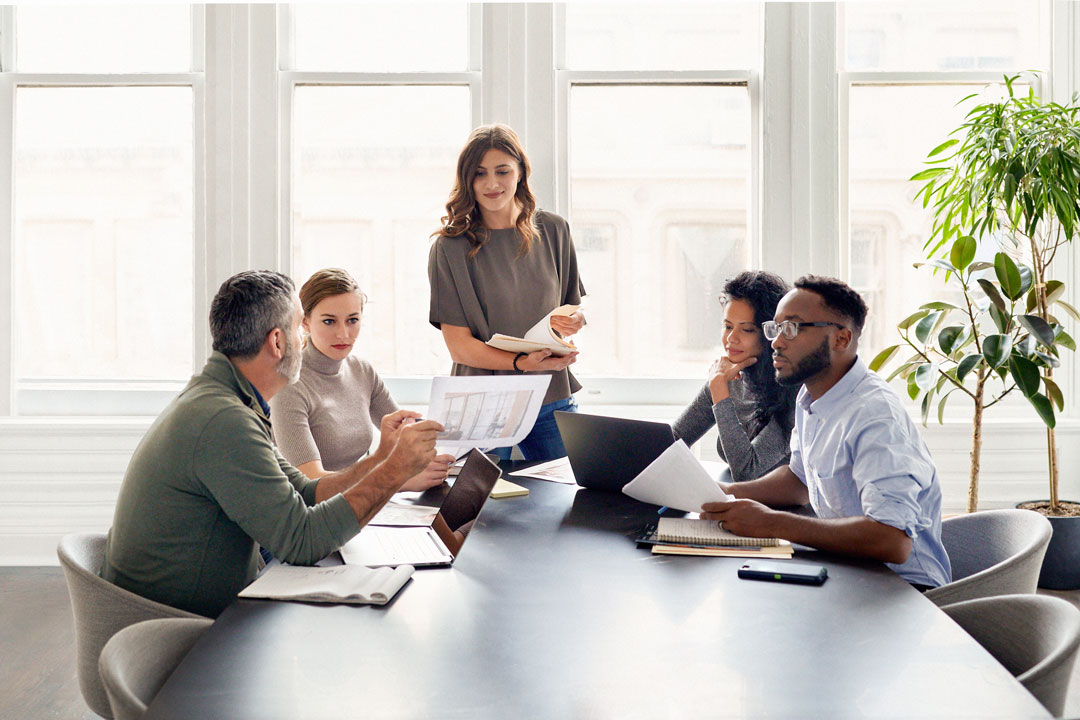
[[207, 486]]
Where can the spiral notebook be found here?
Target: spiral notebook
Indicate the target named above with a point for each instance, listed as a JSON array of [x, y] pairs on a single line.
[[695, 531]]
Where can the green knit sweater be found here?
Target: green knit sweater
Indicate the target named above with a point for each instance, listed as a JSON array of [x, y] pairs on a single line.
[[203, 487]]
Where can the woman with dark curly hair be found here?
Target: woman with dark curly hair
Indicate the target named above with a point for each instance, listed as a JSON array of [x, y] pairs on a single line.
[[754, 413]]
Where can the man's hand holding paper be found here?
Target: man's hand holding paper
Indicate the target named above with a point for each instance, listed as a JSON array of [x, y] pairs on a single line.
[[678, 480]]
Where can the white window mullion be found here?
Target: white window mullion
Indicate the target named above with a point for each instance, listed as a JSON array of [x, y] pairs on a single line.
[[776, 211], [7, 227]]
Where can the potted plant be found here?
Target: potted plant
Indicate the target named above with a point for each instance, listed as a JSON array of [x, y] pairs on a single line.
[[1010, 175]]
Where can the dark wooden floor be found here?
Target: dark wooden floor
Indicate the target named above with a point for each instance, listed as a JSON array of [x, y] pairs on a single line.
[[37, 649]]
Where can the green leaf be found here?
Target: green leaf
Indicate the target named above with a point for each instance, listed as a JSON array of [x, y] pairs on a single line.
[[1026, 279], [1065, 340], [941, 407], [967, 364], [911, 319], [898, 371], [1039, 328], [980, 265], [1032, 300], [1045, 409], [927, 401], [912, 389], [926, 326], [927, 174], [1054, 393], [1009, 191], [938, 305], [1002, 320], [1048, 360], [996, 350], [1008, 275], [951, 337], [1069, 309], [992, 292], [944, 265], [1026, 375], [942, 147], [963, 251], [883, 357], [925, 376], [1054, 290]]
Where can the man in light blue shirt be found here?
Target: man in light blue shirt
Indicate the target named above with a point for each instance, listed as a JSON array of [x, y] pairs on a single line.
[[856, 455]]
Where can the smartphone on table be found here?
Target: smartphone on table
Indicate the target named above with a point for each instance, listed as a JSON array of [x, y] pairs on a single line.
[[784, 571]]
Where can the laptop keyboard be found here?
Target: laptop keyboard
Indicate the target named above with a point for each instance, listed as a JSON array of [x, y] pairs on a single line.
[[394, 546]]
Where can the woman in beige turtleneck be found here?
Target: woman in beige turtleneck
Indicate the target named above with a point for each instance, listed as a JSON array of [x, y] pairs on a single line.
[[325, 421]]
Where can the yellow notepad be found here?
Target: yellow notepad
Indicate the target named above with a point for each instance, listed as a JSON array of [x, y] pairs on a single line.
[[769, 553], [505, 489], [695, 531]]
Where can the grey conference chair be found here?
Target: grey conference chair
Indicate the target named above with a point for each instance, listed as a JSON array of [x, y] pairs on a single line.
[[993, 552], [1034, 636], [138, 660], [100, 609]]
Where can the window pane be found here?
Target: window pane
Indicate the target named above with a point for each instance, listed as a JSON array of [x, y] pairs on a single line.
[[946, 36], [668, 36], [103, 38], [381, 37], [372, 170], [658, 229], [892, 130], [103, 232]]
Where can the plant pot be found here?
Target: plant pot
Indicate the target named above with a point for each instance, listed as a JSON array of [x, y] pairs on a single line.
[[1061, 566]]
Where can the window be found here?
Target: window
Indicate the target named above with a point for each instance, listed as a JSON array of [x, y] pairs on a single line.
[[902, 74], [374, 146], [660, 135], [157, 150], [102, 170]]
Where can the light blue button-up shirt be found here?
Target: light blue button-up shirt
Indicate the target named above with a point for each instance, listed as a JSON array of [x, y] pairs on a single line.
[[858, 452]]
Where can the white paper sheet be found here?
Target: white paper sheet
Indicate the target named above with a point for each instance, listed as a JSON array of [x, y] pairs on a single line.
[[557, 470], [539, 336], [402, 515], [486, 411], [676, 479]]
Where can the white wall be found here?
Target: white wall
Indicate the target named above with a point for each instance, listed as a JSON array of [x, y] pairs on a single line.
[[58, 477]]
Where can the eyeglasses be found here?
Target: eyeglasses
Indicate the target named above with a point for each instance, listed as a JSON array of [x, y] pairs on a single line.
[[790, 329]]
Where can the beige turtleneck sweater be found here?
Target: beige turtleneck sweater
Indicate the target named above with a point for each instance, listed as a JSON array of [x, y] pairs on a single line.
[[328, 414]]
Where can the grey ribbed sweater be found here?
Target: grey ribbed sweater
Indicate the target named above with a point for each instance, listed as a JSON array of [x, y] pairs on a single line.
[[748, 456], [328, 414]]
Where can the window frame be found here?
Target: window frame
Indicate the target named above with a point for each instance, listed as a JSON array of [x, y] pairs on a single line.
[[798, 218], [1053, 83], [35, 396]]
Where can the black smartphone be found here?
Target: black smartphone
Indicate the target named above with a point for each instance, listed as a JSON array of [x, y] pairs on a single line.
[[784, 571]]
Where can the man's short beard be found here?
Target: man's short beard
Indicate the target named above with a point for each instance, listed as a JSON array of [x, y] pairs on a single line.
[[808, 367], [289, 366]]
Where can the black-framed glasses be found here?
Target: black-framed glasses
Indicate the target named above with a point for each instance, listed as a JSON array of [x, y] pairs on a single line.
[[790, 328]]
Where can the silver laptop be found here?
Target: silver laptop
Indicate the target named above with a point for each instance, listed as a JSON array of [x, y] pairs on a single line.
[[430, 545]]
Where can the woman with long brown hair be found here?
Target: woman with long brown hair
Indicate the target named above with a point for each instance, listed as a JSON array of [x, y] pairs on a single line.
[[325, 420], [499, 265]]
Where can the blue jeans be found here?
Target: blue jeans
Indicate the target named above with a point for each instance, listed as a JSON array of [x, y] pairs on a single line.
[[544, 441]]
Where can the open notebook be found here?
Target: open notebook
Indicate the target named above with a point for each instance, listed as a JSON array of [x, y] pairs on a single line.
[[435, 544]]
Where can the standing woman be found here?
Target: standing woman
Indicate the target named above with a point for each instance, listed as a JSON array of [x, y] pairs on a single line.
[[753, 412], [325, 420], [499, 265]]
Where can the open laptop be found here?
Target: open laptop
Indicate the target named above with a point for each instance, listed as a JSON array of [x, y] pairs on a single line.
[[431, 545], [605, 453]]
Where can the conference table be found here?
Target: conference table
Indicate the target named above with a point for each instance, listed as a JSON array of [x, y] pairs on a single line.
[[552, 611]]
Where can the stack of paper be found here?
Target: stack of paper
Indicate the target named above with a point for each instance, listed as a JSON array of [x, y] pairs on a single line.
[[341, 584]]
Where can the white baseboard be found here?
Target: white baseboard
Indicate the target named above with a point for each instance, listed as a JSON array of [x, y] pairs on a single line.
[[59, 476]]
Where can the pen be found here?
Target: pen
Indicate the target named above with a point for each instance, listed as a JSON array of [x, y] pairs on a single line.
[[662, 509]]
